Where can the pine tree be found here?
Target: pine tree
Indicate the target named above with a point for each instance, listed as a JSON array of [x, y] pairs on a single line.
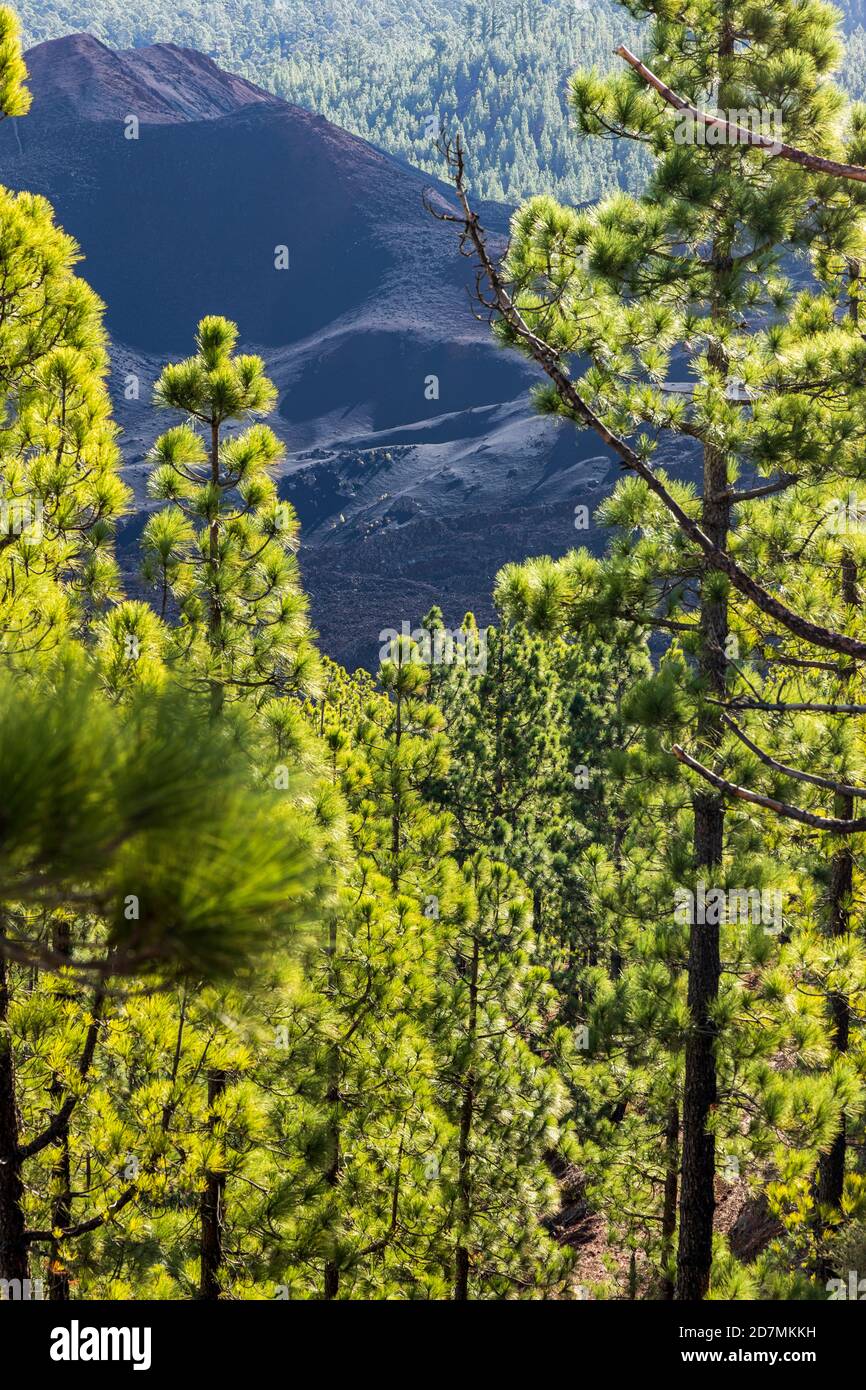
[[224, 549], [508, 766], [108, 870], [505, 1101], [692, 264], [384, 1127], [498, 1087], [60, 491]]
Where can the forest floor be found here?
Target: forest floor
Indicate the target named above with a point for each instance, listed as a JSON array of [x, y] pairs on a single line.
[[740, 1216]]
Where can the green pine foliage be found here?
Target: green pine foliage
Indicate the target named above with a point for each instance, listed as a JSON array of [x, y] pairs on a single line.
[[504, 1099], [696, 280], [60, 490], [329, 986], [224, 548], [417, 1060]]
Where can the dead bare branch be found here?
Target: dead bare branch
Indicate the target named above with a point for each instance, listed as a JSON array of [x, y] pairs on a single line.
[[740, 135]]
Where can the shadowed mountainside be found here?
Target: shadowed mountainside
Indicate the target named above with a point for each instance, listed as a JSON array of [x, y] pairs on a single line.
[[405, 495]]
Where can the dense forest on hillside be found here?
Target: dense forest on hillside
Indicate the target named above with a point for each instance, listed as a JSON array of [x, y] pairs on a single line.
[[530, 965], [396, 73]]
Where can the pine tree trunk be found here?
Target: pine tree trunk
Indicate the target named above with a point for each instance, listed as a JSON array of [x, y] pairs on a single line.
[[212, 1208], [332, 1279], [697, 1191], [831, 1166], [537, 911], [697, 1195], [61, 1173], [14, 1261], [464, 1162], [212, 1205]]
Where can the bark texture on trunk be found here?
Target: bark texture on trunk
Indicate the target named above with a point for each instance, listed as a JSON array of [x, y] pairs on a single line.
[[831, 1166], [212, 1208], [61, 1172], [700, 1091], [14, 1259]]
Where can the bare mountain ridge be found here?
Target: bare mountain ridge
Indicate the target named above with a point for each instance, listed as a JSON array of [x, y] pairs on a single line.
[[162, 84], [409, 491]]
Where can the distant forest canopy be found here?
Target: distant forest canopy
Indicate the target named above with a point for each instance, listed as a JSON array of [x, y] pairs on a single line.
[[495, 71]]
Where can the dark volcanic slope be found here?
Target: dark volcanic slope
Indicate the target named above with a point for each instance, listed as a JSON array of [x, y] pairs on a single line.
[[403, 499]]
